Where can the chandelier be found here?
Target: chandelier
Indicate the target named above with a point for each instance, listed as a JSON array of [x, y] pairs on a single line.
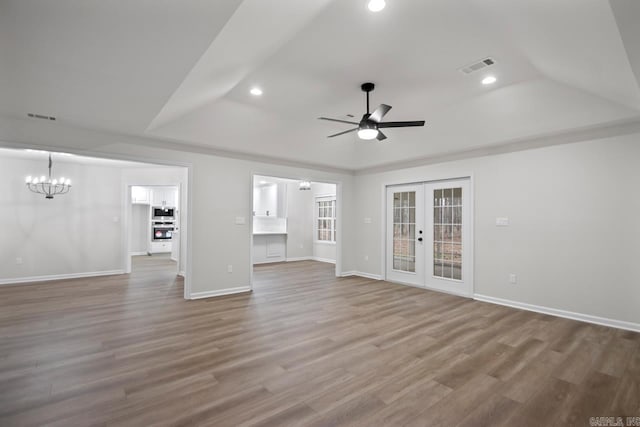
[[47, 186], [304, 185]]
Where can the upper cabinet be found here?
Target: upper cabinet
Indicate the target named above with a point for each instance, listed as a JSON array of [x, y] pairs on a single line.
[[265, 200], [140, 195], [270, 200], [164, 196], [156, 196]]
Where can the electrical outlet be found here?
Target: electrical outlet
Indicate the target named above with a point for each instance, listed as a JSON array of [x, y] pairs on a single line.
[[513, 279], [366, 257], [229, 268], [301, 246], [19, 261]]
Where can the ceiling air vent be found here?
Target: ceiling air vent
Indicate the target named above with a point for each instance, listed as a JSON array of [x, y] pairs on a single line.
[[40, 116], [472, 68]]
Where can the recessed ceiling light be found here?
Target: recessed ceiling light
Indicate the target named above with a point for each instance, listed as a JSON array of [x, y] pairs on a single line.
[[376, 5], [263, 182], [256, 91], [489, 80]]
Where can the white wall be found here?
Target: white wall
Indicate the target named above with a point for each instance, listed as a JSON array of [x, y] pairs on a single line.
[[140, 228], [324, 251], [220, 191], [574, 213], [74, 233]]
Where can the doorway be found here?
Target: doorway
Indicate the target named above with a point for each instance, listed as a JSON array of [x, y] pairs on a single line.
[[429, 235], [294, 220], [155, 226]]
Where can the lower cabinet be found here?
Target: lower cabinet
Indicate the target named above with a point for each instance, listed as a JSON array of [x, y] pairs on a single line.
[[269, 248], [160, 247]]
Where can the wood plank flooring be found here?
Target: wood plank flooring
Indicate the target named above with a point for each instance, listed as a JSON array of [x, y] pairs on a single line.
[[304, 349]]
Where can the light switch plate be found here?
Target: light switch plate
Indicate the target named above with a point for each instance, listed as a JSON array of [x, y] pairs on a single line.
[[502, 222], [367, 220], [240, 220]]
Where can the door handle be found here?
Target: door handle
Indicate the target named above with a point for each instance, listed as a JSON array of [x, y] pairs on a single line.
[[419, 239]]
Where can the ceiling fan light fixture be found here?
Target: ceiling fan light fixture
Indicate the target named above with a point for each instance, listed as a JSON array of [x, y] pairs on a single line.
[[376, 5], [367, 133]]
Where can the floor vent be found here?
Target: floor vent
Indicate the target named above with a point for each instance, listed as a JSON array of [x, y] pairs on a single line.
[[476, 66], [40, 116]]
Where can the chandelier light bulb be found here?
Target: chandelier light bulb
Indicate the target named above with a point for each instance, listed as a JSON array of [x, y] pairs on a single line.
[[28, 179], [42, 178]]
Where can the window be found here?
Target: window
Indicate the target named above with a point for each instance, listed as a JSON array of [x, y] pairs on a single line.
[[447, 233], [404, 231], [326, 219]]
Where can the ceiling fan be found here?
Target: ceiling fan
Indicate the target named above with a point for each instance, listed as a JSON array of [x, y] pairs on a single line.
[[371, 123]]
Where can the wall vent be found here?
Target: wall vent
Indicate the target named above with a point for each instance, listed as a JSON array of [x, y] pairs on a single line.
[[40, 116], [476, 66]]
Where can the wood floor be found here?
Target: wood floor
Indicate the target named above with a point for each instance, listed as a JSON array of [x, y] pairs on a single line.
[[305, 348]]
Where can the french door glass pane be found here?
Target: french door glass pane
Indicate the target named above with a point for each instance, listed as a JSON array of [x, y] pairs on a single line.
[[404, 229], [447, 233]]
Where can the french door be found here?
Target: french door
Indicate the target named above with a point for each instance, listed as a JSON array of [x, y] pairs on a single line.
[[429, 236]]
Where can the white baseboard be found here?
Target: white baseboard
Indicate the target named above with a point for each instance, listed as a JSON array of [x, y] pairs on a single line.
[[330, 261], [311, 258], [270, 261], [300, 258], [138, 253], [47, 278], [220, 292], [620, 324], [361, 274]]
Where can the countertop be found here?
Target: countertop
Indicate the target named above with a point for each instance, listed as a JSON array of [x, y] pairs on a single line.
[[269, 233]]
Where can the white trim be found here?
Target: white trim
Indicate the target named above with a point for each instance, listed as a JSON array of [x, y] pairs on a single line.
[[361, 274], [329, 260], [303, 258], [139, 253], [181, 273], [613, 323], [50, 277], [220, 292]]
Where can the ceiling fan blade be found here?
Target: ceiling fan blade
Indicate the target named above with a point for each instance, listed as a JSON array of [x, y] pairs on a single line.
[[342, 133], [379, 112], [337, 120], [381, 136], [400, 124]]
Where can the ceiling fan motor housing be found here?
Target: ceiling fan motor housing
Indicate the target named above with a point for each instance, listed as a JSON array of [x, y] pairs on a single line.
[[367, 87]]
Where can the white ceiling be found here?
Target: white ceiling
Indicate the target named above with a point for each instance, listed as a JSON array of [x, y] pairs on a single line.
[[181, 71]]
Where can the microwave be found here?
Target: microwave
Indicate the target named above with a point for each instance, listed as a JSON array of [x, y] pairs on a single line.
[[163, 212]]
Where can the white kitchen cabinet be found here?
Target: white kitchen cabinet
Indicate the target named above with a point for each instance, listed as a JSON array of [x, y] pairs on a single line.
[[270, 200], [164, 196], [269, 248], [140, 195], [161, 247]]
